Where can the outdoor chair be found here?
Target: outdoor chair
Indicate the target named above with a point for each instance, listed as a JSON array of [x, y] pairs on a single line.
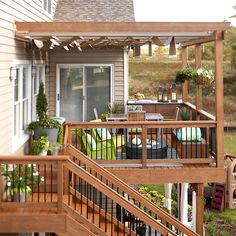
[[94, 148], [103, 135], [136, 116]]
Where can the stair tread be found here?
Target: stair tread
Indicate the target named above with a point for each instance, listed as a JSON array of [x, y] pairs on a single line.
[[110, 226]]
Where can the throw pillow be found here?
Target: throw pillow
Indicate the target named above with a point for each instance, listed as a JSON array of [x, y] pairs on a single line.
[[103, 133], [189, 134], [91, 141]]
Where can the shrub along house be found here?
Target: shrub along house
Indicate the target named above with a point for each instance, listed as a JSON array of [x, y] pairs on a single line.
[[82, 55]]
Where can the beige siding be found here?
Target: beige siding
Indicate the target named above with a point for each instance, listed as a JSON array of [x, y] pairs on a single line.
[[105, 56], [10, 50]]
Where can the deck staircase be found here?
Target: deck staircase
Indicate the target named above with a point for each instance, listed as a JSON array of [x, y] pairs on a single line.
[[105, 205], [80, 197]]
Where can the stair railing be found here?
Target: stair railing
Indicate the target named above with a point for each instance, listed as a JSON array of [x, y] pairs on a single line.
[[125, 191], [85, 202]]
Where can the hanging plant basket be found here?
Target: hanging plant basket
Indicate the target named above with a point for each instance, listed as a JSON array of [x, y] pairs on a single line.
[[203, 81]]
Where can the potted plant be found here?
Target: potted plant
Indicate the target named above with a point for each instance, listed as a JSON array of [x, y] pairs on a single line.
[[185, 113], [40, 146], [204, 77], [20, 180], [187, 73], [44, 126], [55, 148]]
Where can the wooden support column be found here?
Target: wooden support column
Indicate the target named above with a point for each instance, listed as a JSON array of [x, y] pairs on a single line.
[[144, 146], [185, 84], [199, 189], [198, 64], [219, 98]]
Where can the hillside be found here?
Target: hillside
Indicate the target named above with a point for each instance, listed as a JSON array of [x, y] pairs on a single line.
[[148, 74]]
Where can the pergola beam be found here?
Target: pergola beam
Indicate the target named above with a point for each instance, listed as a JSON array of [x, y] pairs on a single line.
[[120, 27], [200, 40]]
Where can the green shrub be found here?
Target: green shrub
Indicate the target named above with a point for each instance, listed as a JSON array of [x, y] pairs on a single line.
[[208, 217], [211, 230]]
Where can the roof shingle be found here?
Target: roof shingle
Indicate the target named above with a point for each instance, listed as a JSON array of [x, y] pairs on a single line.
[[95, 10]]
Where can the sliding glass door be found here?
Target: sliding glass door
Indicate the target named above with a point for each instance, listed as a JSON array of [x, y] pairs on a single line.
[[70, 94], [98, 89], [80, 88]]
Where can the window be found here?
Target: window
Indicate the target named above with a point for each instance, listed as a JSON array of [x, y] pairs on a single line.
[[22, 104], [47, 6]]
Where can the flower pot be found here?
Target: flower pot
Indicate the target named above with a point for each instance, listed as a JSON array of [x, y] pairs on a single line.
[[20, 196], [43, 153], [55, 150], [51, 133]]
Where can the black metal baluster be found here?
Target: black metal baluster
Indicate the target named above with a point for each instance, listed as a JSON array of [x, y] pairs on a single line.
[[51, 182], [68, 188], [87, 199], [13, 181], [75, 197], [19, 182], [106, 211], [112, 213], [94, 190], [100, 206], [25, 182], [81, 196], [38, 181], [45, 181]]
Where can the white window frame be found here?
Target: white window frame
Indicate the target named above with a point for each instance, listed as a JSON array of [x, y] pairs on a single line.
[[47, 6], [21, 136], [39, 66]]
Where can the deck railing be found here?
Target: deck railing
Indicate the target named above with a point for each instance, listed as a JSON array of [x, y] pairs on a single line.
[[31, 182], [145, 142], [83, 190]]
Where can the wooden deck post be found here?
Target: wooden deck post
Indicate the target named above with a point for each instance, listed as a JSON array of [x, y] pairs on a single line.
[[219, 98], [185, 84], [144, 146], [199, 189], [60, 187], [198, 64]]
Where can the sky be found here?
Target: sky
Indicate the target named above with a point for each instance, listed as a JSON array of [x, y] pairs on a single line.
[[185, 10]]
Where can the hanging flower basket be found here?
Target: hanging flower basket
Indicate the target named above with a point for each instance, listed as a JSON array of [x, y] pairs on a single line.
[[185, 74], [204, 77], [203, 81]]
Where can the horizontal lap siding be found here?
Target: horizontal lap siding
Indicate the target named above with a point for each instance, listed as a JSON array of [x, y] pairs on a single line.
[[12, 49], [105, 56]]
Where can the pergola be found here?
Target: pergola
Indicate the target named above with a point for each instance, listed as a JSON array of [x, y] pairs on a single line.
[[68, 35], [81, 35]]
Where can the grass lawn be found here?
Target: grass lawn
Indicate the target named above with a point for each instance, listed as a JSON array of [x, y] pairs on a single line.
[[220, 223], [156, 187], [230, 143]]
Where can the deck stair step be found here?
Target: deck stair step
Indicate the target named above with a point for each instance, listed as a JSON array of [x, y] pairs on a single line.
[[99, 221]]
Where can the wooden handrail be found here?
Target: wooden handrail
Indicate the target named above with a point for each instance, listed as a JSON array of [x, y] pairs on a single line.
[[118, 199], [148, 124], [201, 112], [31, 158], [127, 189]]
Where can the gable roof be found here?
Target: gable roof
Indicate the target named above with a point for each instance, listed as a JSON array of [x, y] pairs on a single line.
[[95, 10]]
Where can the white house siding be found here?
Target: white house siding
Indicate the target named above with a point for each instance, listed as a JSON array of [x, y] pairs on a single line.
[[93, 56], [10, 50]]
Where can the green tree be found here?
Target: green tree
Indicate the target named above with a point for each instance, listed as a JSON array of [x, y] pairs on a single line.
[[41, 103]]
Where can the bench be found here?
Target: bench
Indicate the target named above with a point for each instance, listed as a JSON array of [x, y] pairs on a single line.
[[190, 149]]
